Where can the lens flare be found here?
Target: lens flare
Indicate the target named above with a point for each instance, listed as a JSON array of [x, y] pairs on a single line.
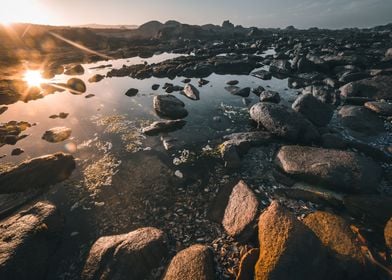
[[33, 78]]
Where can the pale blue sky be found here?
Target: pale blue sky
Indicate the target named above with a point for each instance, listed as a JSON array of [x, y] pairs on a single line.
[[261, 13]]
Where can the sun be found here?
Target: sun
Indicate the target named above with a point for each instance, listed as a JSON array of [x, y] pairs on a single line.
[[33, 78]]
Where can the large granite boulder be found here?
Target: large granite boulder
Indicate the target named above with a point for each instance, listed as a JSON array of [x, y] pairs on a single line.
[[334, 169]]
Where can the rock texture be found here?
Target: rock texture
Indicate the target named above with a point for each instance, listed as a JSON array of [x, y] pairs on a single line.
[[127, 256], [195, 262], [57, 134], [313, 109], [37, 173], [28, 239], [288, 249], [375, 88], [333, 169], [169, 106]]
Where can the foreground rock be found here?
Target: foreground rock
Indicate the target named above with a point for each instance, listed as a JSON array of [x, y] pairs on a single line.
[[284, 122], [28, 241], [361, 121], [381, 108], [127, 256], [163, 126], [57, 134], [375, 88], [288, 249], [313, 109], [37, 173], [333, 169], [169, 106], [191, 92], [240, 213], [334, 232], [195, 262]]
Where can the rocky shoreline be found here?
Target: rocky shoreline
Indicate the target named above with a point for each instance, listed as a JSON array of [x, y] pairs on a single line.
[[305, 192]]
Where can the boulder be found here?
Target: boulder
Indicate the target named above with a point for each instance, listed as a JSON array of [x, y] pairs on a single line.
[[262, 74], [37, 173], [270, 96], [57, 134], [75, 70], [288, 249], [96, 78], [381, 108], [155, 87], [243, 92], [284, 122], [163, 126], [334, 169], [195, 262], [132, 92], [258, 90], [335, 233], [280, 66], [169, 106], [28, 240], [191, 92], [313, 109], [325, 94], [376, 88], [360, 121], [127, 256], [240, 213], [76, 86]]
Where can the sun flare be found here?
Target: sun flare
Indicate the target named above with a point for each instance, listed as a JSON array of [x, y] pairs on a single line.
[[33, 78]]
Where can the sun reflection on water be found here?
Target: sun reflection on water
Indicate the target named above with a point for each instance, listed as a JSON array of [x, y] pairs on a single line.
[[33, 78]]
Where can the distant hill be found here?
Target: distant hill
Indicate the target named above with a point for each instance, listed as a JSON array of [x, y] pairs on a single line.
[[106, 26]]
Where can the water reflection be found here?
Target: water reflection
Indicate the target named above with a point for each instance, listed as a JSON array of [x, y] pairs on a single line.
[[33, 78]]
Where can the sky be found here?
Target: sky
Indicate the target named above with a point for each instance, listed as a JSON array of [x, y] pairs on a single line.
[[260, 13]]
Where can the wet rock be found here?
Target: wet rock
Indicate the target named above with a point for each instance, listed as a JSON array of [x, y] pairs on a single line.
[[75, 70], [258, 91], [262, 74], [381, 108], [240, 213], [333, 169], [350, 76], [202, 82], [191, 92], [280, 67], [10, 132], [57, 134], [163, 126], [3, 109], [96, 78], [37, 173], [155, 87], [373, 209], [360, 121], [244, 92], [17, 152], [284, 122], [195, 262], [334, 232], [28, 241], [131, 92], [288, 249], [313, 109], [76, 86], [127, 256], [270, 96], [375, 88], [307, 192], [305, 66], [232, 82], [333, 141], [324, 93], [169, 106], [186, 81], [388, 235], [247, 264]]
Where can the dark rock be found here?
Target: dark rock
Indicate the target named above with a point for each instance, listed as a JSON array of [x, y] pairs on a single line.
[[3, 109], [357, 101], [381, 108], [241, 212], [375, 88], [243, 92], [258, 90], [373, 209], [313, 109], [288, 249], [57, 134], [195, 262], [305, 66], [89, 96], [247, 264], [280, 67], [10, 132], [169, 106], [191, 92], [163, 126], [17, 152], [96, 78], [76, 86], [284, 122], [232, 82], [349, 76], [270, 96], [360, 121], [186, 81], [37, 173], [202, 82], [155, 87], [324, 93], [335, 233], [132, 92], [333, 141], [333, 169], [75, 70], [127, 256], [262, 74]]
